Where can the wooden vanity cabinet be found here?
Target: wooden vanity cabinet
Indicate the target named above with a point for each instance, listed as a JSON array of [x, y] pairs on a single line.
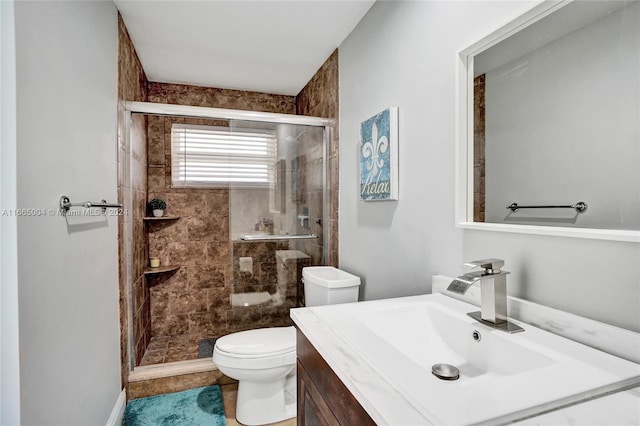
[[322, 397]]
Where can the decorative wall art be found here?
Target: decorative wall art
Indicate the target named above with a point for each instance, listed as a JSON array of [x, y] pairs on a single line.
[[378, 154]]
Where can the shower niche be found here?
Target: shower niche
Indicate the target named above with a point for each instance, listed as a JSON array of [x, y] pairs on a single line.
[[248, 198]]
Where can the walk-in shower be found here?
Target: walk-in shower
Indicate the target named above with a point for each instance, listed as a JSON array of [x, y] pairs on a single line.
[[246, 196]]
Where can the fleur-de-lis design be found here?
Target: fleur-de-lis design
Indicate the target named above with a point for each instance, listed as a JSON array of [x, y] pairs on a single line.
[[374, 149]]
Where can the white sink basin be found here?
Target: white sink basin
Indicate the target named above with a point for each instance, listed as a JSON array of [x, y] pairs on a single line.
[[446, 336], [503, 376]]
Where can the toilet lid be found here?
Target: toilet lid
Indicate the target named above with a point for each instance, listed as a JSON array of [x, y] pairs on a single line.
[[261, 341]]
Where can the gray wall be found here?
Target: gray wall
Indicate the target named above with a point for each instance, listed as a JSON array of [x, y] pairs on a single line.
[[9, 344], [66, 56], [404, 53], [581, 146]]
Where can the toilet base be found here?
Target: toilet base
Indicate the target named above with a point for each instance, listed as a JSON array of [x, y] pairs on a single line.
[[260, 403]]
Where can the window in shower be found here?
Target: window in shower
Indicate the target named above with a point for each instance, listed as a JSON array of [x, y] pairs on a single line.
[[216, 156]]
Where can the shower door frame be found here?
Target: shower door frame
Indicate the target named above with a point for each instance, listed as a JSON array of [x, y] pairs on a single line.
[[152, 108]]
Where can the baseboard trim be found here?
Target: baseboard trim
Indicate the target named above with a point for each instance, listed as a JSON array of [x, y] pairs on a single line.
[[115, 419]]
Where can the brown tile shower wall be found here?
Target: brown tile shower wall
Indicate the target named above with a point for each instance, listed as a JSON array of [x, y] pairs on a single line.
[[274, 264], [195, 300], [182, 94], [479, 149], [270, 270], [264, 274], [132, 187], [320, 98], [140, 251], [185, 302]]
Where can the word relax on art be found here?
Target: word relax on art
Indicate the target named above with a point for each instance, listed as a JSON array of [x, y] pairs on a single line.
[[375, 188]]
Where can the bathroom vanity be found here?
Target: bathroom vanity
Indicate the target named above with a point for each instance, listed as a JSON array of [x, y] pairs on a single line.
[[370, 363], [322, 398]]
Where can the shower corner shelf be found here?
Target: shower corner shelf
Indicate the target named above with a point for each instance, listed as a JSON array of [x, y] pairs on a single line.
[[152, 218], [161, 269]]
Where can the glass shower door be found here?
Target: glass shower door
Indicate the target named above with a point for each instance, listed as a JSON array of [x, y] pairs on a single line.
[[276, 224]]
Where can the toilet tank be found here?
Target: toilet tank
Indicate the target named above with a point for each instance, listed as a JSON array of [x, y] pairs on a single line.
[[326, 285]]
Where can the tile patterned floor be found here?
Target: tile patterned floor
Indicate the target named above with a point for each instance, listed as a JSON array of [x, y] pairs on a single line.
[[229, 394]]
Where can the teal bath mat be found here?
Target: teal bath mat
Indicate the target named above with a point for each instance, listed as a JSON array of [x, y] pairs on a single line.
[[193, 407]]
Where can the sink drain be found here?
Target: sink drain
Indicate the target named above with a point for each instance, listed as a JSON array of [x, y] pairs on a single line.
[[445, 372]]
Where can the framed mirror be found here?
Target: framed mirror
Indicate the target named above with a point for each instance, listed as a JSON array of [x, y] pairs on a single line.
[[548, 137]]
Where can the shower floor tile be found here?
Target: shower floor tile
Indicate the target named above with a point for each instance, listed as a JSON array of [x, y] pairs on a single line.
[[181, 349], [170, 349]]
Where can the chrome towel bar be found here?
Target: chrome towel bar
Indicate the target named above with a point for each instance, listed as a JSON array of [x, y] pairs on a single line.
[[66, 204], [579, 207], [277, 237]]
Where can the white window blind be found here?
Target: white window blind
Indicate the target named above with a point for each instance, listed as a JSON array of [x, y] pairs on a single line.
[[217, 156]]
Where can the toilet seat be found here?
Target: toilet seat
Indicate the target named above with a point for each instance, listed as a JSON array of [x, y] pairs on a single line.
[[224, 359], [257, 349], [261, 341]]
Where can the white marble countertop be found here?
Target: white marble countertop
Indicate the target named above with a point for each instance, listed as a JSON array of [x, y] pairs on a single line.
[[386, 404], [619, 409]]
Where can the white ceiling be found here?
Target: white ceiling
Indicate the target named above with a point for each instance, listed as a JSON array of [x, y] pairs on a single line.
[[266, 45]]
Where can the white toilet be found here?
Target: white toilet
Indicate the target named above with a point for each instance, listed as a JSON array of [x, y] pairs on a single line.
[[263, 360]]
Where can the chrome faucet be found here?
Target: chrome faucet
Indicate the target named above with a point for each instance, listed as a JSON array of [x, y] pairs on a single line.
[[493, 293]]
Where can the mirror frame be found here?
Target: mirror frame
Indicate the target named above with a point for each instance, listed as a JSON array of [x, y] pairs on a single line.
[[464, 138]]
